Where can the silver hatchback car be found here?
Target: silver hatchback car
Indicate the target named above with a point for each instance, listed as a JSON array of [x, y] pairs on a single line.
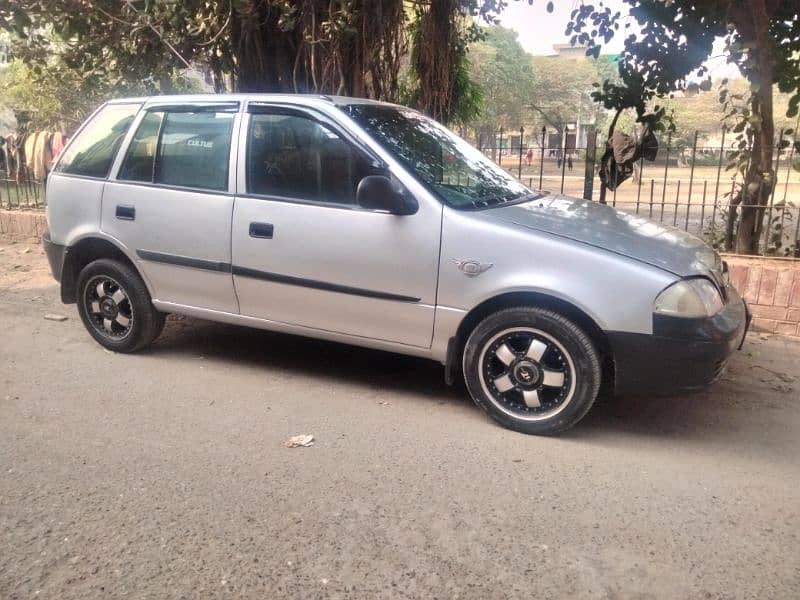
[[370, 224]]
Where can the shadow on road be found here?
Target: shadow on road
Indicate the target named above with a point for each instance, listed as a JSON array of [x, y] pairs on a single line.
[[724, 414], [318, 359]]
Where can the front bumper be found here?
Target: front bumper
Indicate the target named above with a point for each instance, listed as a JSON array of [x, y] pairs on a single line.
[[55, 255], [681, 354]]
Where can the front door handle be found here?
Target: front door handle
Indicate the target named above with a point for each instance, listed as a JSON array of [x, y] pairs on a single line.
[[126, 213], [261, 230]]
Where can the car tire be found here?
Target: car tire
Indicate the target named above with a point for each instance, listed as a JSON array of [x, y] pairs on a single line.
[[532, 370], [116, 307]]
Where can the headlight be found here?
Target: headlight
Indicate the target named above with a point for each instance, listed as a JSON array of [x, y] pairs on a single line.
[[690, 298]]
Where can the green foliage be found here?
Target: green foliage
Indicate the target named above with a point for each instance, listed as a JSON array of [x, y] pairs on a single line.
[[53, 96], [502, 69], [563, 86]]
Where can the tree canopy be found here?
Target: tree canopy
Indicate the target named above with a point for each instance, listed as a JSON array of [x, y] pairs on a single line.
[[350, 47]]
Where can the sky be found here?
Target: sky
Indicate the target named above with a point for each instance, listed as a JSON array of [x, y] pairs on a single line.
[[538, 30]]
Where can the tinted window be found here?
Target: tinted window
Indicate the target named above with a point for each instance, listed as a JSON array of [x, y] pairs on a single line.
[[194, 150], [296, 157], [93, 151], [451, 168], [138, 163]]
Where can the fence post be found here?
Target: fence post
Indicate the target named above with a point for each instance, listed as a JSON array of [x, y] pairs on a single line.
[[541, 161], [666, 169], [691, 180], [521, 137], [500, 150], [564, 161], [591, 155]]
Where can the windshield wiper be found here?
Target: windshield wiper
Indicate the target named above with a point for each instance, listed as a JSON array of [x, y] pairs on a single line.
[[507, 199]]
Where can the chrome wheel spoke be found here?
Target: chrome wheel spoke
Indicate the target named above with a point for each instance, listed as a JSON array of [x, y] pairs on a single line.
[[536, 350], [118, 296], [503, 383], [107, 325], [527, 373], [122, 320], [101, 289], [551, 378], [531, 398], [505, 354], [95, 307]]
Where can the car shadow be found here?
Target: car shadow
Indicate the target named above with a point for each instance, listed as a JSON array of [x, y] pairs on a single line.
[[722, 415], [319, 359]]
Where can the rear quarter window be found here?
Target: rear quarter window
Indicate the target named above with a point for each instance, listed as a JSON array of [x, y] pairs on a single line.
[[92, 151]]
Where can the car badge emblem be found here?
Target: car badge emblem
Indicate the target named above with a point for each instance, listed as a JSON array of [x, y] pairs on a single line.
[[472, 268]]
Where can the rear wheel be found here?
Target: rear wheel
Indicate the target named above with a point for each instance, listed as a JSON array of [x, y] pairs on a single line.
[[116, 308], [533, 370]]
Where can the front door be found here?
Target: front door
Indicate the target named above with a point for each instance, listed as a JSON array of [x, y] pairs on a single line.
[[171, 204], [305, 254]]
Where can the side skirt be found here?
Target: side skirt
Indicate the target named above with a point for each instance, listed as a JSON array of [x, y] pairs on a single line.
[[323, 334]]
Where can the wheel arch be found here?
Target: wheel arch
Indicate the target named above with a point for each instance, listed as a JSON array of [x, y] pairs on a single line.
[[81, 253], [455, 347]]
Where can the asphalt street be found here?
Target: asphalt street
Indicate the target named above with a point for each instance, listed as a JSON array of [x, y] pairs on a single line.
[[164, 475]]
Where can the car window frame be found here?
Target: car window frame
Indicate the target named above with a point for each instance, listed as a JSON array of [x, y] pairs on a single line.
[[361, 150], [234, 107]]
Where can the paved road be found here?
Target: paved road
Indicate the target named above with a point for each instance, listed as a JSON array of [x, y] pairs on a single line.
[[162, 475]]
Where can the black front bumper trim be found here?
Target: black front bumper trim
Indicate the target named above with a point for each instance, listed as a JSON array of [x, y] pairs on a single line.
[[681, 354]]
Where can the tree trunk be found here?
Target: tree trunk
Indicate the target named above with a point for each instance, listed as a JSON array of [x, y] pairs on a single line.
[[760, 174]]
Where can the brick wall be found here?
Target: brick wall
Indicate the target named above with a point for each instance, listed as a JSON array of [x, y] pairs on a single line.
[[772, 289]]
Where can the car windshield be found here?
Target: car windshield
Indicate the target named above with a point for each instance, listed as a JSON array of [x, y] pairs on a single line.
[[458, 173]]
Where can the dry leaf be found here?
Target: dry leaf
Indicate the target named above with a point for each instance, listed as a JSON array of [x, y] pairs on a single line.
[[303, 440]]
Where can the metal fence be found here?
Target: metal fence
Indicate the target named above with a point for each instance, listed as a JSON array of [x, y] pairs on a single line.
[[686, 186], [22, 191]]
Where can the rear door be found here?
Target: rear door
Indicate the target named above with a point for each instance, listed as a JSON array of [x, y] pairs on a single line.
[[171, 202], [304, 253]]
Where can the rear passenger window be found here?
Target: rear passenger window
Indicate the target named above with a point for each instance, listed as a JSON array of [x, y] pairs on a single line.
[[194, 150], [92, 151], [297, 157], [182, 149]]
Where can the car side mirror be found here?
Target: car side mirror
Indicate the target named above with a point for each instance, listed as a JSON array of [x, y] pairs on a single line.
[[377, 192]]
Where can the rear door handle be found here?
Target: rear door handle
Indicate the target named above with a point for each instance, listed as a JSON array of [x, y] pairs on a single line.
[[261, 230], [126, 213]]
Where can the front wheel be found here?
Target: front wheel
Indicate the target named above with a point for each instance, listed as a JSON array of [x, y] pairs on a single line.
[[533, 370], [116, 308]]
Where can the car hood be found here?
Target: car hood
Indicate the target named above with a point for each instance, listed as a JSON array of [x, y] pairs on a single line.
[[604, 227]]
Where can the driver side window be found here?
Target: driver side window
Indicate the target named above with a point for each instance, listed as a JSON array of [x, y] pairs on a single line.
[[297, 157]]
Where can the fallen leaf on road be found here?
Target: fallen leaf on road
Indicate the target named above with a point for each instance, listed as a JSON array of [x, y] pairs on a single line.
[[383, 403], [299, 440], [55, 317], [26, 251]]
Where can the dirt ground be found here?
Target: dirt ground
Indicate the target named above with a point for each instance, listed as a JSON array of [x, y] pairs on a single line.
[[163, 474]]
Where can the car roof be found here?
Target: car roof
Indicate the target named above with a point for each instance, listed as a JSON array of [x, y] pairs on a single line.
[[289, 98]]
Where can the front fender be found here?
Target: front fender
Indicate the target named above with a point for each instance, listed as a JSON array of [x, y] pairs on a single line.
[[617, 292]]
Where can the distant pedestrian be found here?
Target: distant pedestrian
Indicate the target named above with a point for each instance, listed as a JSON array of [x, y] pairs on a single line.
[[569, 162], [529, 157]]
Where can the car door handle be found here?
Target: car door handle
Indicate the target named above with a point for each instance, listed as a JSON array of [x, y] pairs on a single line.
[[126, 213], [261, 230]]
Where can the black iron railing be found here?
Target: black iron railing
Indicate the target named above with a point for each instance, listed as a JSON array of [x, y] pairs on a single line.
[[687, 186]]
